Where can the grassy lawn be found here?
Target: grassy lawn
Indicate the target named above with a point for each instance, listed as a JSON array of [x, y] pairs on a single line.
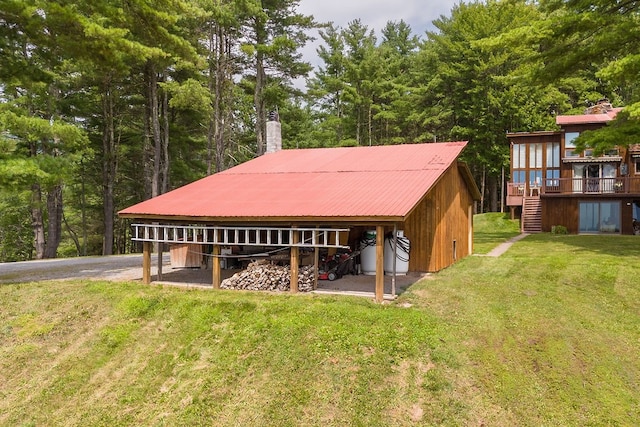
[[546, 334], [492, 229]]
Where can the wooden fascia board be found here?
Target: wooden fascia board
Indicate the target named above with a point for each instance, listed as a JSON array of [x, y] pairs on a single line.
[[355, 220], [468, 178], [512, 135]]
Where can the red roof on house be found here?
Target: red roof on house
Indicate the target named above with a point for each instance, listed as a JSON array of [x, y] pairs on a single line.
[[582, 119], [349, 182]]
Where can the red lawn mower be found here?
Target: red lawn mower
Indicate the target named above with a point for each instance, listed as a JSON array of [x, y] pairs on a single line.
[[335, 266]]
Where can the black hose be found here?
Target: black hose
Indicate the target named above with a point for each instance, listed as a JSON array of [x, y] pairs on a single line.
[[403, 244]]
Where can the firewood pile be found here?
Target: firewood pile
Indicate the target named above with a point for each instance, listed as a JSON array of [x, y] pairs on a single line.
[[262, 275]]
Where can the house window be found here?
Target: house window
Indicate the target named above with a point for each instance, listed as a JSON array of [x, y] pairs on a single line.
[[535, 165], [569, 139], [552, 174], [569, 144], [535, 178], [599, 217], [519, 164], [552, 180], [519, 156], [535, 156], [553, 155], [636, 162], [519, 177]]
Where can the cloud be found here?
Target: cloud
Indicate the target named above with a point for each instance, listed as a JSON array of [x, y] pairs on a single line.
[[375, 14]]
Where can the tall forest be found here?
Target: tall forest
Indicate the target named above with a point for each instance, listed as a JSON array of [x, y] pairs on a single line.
[[105, 103]]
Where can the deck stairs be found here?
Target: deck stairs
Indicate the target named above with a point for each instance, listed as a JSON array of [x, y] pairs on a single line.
[[531, 215]]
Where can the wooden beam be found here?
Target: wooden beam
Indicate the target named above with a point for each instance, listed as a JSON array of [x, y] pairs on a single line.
[[160, 260], [316, 266], [216, 271], [146, 263], [379, 263], [295, 260]]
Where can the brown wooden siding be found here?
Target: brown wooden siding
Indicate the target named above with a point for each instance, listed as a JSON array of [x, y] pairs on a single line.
[[627, 216], [441, 218], [561, 211], [565, 211]]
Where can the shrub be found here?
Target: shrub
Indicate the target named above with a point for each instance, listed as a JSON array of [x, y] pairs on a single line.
[[559, 229]]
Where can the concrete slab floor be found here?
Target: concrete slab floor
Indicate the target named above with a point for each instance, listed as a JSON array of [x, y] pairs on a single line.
[[356, 285]]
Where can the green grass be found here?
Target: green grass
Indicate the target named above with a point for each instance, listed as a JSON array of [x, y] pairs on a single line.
[[546, 334], [493, 229]]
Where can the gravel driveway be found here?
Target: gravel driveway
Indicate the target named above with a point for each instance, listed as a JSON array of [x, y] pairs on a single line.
[[129, 267], [115, 267]]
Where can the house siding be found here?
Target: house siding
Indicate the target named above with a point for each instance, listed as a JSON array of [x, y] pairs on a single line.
[[441, 218], [560, 211], [565, 211]]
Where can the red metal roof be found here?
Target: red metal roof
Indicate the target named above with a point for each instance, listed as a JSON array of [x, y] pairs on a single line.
[[347, 182], [581, 119]]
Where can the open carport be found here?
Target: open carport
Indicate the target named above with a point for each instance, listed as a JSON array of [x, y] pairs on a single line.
[[322, 199]]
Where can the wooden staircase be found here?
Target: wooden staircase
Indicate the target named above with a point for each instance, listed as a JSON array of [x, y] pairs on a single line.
[[531, 215]]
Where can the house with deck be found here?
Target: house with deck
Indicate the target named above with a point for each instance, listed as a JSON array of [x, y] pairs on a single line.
[[554, 184], [308, 200]]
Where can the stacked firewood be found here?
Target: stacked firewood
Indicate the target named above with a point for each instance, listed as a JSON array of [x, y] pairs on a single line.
[[262, 275]]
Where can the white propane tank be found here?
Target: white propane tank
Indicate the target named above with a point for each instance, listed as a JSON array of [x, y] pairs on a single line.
[[402, 254], [368, 253]]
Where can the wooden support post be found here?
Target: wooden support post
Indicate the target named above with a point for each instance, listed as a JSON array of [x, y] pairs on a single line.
[[379, 263], [146, 263], [395, 260], [295, 260], [159, 261], [215, 265], [316, 266]]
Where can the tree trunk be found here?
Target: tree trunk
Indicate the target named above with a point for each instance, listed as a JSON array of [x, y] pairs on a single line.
[[147, 154], [221, 80], [83, 210], [154, 122], [259, 103], [261, 77], [165, 144], [483, 189], [54, 229], [212, 85], [493, 193], [370, 124], [36, 221], [109, 165]]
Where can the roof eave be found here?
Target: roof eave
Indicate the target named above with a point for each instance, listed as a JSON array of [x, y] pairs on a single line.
[[351, 220], [471, 183]]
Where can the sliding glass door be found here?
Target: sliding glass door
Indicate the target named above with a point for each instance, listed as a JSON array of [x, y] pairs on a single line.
[[599, 217]]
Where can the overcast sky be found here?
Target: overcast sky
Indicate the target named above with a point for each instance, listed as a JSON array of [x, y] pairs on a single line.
[[374, 14]]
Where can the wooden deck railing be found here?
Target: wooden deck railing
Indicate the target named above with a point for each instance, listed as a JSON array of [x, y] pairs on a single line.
[[617, 185]]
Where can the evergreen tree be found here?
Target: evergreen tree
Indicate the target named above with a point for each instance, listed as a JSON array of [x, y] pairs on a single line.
[[327, 88], [275, 32], [599, 37], [478, 87]]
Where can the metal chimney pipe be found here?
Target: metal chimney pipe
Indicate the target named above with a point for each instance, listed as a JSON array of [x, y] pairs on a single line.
[[274, 133]]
